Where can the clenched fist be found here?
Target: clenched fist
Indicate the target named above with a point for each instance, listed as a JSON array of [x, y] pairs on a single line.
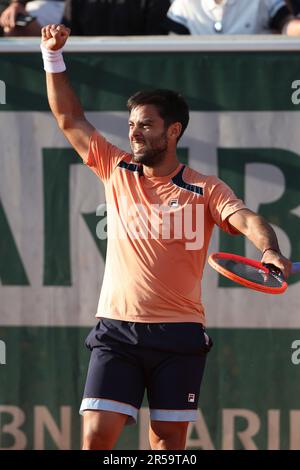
[[54, 36]]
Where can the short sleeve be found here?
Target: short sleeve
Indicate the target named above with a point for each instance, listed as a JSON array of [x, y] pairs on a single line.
[[103, 157], [223, 203]]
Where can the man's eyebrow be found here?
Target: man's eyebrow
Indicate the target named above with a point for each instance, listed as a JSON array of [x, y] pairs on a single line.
[[142, 121]]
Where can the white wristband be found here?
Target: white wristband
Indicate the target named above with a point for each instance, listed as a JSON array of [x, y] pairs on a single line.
[[53, 60]]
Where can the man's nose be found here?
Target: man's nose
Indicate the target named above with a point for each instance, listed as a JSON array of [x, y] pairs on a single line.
[[136, 131]]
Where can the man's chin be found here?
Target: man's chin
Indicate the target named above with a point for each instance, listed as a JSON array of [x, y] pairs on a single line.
[[148, 159], [139, 157]]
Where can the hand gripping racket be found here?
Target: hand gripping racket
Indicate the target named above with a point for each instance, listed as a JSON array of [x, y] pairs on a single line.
[[250, 273]]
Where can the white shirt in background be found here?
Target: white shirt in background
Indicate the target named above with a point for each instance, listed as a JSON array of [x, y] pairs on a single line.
[[228, 17]]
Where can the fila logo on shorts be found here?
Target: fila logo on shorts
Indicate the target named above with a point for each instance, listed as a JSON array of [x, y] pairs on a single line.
[[191, 398]]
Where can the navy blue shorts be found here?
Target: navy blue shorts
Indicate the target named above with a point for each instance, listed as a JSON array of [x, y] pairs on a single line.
[[165, 359]]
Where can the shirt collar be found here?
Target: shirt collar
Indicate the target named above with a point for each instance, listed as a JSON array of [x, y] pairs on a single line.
[[211, 4]]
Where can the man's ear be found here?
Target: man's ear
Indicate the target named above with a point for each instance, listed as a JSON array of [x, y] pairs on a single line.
[[175, 130]]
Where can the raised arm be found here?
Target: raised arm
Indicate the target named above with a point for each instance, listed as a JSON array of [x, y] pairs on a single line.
[[262, 235], [63, 102]]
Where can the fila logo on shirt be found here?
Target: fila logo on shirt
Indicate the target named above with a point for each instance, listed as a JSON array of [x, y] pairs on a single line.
[[173, 203], [191, 398]]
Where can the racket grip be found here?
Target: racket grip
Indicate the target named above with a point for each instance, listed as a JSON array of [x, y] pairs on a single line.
[[295, 268]]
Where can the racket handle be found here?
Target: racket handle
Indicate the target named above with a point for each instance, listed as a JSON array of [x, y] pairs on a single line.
[[295, 268]]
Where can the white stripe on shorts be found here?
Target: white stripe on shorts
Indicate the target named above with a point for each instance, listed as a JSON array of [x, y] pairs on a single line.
[[109, 405], [174, 415]]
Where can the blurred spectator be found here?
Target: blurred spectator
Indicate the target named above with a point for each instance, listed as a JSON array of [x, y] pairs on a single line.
[[26, 17], [232, 17], [116, 17], [294, 6]]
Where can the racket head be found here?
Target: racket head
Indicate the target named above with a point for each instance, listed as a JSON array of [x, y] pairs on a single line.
[[248, 272]]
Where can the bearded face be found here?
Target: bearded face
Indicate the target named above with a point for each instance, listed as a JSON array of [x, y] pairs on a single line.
[[148, 136]]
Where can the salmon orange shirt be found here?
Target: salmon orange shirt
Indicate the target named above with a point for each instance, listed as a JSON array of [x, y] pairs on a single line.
[[158, 231]]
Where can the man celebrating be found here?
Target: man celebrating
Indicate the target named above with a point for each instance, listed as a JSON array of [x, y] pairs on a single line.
[[150, 335]]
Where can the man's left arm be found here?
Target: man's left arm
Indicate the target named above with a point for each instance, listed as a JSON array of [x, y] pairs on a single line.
[[262, 235]]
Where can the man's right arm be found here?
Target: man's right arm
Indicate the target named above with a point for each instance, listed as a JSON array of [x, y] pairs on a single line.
[[63, 101], [68, 112]]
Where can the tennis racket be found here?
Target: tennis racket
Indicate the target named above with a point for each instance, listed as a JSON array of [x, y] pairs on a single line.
[[250, 273]]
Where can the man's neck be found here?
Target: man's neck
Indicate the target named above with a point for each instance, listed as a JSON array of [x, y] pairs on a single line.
[[162, 170]]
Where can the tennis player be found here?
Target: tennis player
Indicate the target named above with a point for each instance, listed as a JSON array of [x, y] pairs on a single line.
[[161, 213]]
